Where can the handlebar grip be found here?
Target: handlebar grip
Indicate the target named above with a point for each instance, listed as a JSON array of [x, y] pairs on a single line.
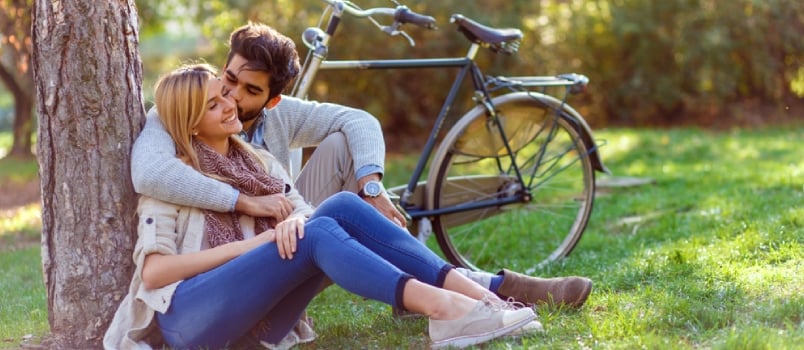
[[405, 15]]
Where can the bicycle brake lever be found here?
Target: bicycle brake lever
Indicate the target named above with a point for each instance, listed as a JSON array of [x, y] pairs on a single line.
[[410, 40], [393, 30]]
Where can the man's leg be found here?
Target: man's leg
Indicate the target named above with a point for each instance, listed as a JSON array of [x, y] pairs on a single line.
[[569, 291], [329, 170]]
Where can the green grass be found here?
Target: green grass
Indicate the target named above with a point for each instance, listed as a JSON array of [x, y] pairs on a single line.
[[709, 256], [23, 311], [14, 170]]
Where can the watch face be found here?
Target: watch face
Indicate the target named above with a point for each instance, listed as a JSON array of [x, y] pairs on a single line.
[[373, 189]]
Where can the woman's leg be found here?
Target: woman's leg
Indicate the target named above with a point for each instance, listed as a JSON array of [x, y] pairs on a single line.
[[219, 306], [395, 244], [214, 308]]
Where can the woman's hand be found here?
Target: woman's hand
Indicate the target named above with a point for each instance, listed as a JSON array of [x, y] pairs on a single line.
[[288, 232], [258, 240]]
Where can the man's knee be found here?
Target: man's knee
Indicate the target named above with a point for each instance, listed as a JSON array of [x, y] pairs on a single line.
[[336, 140]]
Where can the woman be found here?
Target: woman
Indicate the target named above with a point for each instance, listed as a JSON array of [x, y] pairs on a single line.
[[205, 279]]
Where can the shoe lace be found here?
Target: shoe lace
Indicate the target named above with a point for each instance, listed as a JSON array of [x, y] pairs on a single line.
[[508, 304]]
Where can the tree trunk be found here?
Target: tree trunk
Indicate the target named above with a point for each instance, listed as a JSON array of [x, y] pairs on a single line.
[[88, 79]]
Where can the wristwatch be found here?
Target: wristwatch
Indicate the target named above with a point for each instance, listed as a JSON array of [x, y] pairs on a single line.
[[371, 189]]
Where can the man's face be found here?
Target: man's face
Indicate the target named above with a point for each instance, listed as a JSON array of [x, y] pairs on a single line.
[[248, 88]]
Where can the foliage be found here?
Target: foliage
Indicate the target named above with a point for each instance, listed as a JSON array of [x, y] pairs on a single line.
[[709, 256], [16, 73], [673, 60], [15, 44]]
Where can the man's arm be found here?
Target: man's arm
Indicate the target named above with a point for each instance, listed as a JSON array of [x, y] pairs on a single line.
[[158, 173], [308, 123]]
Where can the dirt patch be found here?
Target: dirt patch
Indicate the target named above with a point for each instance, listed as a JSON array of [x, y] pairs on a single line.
[[14, 194]]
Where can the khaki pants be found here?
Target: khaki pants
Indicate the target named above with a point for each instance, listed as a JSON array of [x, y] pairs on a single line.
[[329, 170]]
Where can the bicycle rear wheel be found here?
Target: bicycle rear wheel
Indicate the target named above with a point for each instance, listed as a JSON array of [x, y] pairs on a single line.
[[548, 209]]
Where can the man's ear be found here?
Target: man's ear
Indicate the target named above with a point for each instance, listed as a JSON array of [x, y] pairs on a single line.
[[273, 102]]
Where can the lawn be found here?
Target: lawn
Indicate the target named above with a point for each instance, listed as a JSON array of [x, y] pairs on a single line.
[[709, 255]]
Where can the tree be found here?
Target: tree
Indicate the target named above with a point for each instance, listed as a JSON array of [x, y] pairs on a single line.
[[88, 77], [15, 70]]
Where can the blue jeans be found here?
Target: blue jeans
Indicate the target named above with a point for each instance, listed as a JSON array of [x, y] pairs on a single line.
[[374, 259]]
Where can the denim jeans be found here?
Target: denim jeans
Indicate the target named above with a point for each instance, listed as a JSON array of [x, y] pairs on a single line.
[[374, 260]]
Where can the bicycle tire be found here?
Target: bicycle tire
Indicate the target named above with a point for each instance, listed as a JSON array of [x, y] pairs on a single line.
[[519, 236]]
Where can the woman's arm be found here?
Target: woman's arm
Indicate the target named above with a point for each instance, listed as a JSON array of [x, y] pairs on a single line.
[[160, 270]]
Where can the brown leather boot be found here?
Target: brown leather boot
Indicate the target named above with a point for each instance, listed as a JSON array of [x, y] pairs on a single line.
[[571, 291]]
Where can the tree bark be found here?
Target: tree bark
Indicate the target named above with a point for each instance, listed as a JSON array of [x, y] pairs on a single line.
[[88, 78]]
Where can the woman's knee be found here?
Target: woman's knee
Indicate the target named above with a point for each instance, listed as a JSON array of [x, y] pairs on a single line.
[[323, 228], [340, 202]]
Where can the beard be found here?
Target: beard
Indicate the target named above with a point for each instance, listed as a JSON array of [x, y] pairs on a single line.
[[247, 116]]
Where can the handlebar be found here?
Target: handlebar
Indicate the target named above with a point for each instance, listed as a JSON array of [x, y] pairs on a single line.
[[401, 14], [404, 15]]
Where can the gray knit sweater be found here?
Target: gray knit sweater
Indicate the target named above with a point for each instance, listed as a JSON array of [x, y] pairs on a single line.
[[293, 123]]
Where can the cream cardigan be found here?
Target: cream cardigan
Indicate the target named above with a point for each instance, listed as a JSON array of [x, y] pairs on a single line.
[[166, 228]]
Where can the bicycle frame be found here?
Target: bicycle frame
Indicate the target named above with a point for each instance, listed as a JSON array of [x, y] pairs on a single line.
[[317, 60]]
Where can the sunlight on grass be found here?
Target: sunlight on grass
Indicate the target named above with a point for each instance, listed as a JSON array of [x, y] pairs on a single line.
[[708, 256], [6, 140], [27, 220], [18, 171]]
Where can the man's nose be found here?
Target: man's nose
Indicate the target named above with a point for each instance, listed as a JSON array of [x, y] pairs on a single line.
[[235, 94], [231, 103]]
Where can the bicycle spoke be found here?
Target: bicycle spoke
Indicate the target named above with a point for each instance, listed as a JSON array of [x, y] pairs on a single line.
[[552, 200]]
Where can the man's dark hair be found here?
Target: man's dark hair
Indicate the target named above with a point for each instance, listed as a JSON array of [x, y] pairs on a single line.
[[266, 50]]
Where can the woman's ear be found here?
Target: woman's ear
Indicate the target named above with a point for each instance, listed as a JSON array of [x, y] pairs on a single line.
[[273, 102]]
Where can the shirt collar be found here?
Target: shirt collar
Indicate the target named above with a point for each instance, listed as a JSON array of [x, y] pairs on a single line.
[[255, 134]]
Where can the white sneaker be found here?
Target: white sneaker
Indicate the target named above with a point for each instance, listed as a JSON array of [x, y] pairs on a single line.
[[488, 320], [532, 327]]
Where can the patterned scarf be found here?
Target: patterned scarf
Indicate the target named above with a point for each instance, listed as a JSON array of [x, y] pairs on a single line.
[[245, 174]]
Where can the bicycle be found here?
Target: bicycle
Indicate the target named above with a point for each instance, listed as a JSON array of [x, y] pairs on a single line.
[[517, 170]]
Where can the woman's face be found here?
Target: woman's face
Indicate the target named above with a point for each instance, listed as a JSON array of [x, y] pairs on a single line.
[[220, 117]]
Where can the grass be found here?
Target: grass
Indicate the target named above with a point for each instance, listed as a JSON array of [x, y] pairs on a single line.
[[708, 256]]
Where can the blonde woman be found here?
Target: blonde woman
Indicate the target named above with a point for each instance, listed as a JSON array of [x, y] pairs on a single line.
[[207, 279]]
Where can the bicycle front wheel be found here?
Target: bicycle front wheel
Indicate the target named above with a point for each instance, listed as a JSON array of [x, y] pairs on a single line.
[[543, 189]]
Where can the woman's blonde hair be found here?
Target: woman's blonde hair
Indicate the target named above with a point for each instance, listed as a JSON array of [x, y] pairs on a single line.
[[181, 100]]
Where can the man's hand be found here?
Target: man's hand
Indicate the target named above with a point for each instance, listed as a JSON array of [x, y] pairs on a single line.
[[387, 208], [382, 202], [275, 206]]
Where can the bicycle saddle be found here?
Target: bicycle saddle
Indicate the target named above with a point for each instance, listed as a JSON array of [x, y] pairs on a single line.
[[497, 39]]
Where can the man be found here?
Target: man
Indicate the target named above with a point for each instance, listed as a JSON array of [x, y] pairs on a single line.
[[349, 155]]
